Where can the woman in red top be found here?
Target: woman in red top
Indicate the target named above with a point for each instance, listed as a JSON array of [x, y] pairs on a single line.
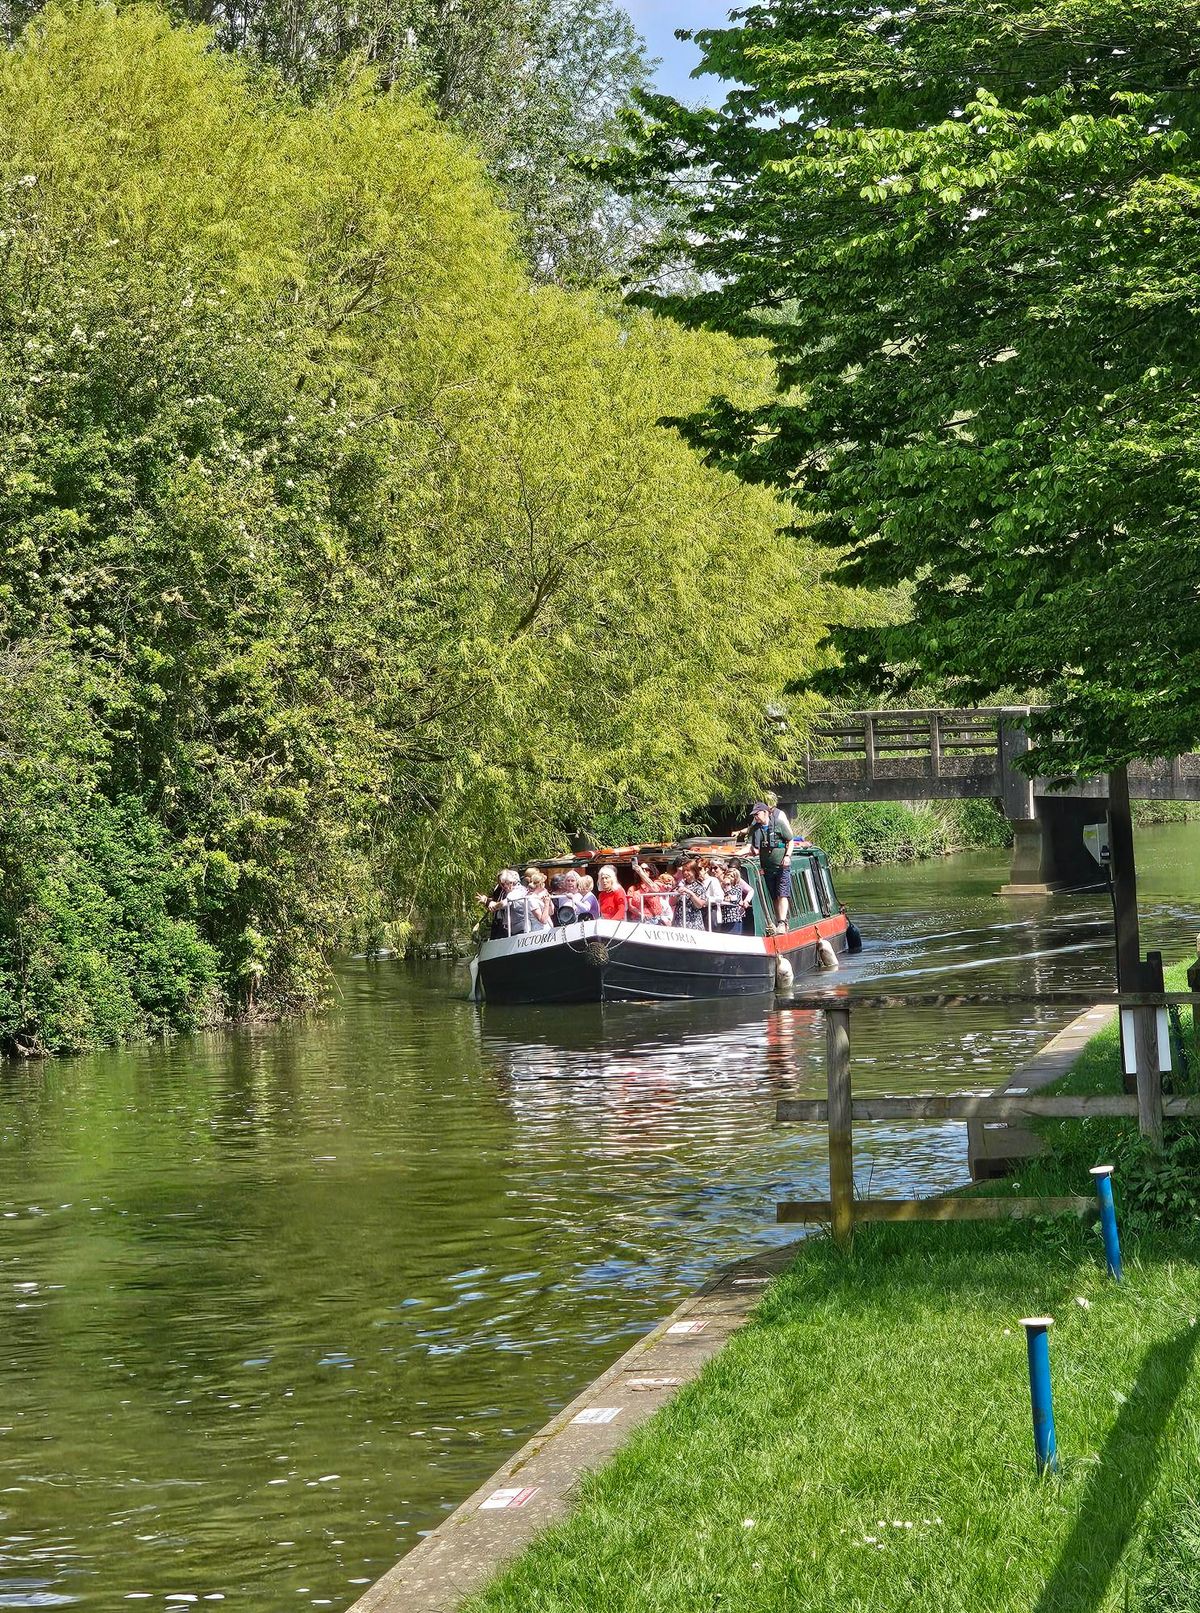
[[609, 893], [644, 904]]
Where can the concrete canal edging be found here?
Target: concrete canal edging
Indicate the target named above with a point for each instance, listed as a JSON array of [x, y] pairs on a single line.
[[536, 1486]]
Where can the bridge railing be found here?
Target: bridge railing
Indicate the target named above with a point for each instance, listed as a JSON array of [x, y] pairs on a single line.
[[932, 743]]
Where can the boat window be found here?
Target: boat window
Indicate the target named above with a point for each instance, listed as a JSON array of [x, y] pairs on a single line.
[[811, 903], [828, 899]]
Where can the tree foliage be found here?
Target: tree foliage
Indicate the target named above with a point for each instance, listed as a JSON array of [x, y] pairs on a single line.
[[537, 86], [971, 234], [353, 562]]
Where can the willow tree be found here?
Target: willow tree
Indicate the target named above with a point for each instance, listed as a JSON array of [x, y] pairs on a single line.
[[369, 562], [536, 86], [969, 233]]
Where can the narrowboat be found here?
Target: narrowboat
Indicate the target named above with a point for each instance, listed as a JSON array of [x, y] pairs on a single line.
[[631, 960]]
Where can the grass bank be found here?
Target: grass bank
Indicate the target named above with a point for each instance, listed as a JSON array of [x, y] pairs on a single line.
[[864, 1444]]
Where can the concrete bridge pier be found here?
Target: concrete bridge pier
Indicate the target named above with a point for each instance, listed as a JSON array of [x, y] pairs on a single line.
[[1049, 853]]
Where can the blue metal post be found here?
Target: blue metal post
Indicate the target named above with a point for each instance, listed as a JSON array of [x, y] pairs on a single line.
[[1108, 1220], [1038, 1344]]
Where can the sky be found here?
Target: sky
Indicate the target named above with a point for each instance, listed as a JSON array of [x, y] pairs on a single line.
[[657, 20]]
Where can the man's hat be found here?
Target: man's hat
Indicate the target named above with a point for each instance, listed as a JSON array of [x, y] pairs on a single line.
[[759, 806]]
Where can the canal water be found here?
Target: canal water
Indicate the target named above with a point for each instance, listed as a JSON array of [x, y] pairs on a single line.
[[273, 1302]]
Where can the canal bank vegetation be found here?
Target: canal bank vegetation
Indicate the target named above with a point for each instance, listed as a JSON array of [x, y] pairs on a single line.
[[865, 1443], [862, 832], [902, 831], [339, 559]]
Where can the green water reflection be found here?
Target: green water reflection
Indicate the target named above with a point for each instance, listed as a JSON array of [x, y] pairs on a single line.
[[272, 1302]]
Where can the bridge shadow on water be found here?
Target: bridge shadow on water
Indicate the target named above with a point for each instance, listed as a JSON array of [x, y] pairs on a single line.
[[1118, 1486]]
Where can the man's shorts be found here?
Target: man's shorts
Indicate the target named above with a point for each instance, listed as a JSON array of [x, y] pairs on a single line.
[[778, 882]]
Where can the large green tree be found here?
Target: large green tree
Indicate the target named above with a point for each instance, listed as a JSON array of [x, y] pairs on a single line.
[[355, 562], [971, 234]]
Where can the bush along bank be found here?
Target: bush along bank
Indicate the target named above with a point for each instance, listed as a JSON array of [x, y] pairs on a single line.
[[901, 831], [865, 1442]]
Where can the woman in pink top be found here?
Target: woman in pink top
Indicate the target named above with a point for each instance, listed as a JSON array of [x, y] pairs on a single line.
[[609, 893]]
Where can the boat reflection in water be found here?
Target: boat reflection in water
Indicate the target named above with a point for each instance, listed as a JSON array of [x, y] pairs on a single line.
[[632, 1078]]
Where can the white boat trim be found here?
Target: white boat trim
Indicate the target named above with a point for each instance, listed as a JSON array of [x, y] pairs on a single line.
[[617, 932]]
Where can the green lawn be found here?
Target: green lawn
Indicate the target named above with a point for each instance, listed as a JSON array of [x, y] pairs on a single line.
[[864, 1444]]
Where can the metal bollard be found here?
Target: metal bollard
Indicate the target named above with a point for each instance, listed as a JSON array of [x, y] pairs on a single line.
[[1038, 1345], [1108, 1220]]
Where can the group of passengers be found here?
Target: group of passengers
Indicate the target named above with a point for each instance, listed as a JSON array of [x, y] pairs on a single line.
[[697, 893]]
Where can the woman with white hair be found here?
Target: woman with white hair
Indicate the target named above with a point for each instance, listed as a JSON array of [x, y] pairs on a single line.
[[609, 893], [508, 905], [541, 910]]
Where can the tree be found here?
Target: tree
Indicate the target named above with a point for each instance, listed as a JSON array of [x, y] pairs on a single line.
[[536, 85], [971, 235], [358, 562]]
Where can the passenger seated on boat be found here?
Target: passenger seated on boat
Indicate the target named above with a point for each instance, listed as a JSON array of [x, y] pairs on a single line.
[[567, 898], [509, 908], [610, 897], [691, 894], [590, 906], [541, 909]]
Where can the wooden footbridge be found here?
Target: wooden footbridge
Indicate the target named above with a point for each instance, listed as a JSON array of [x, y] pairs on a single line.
[[943, 754]]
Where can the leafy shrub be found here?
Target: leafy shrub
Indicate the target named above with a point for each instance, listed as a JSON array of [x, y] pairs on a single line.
[[895, 831], [1152, 812], [91, 949]]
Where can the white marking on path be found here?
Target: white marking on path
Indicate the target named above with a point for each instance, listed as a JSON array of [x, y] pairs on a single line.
[[597, 1414], [501, 1499]]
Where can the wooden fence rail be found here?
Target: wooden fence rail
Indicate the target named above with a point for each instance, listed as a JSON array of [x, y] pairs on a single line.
[[948, 1208], [839, 1109], [972, 1106]]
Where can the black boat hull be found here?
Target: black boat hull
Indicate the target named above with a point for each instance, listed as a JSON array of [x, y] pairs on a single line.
[[609, 961]]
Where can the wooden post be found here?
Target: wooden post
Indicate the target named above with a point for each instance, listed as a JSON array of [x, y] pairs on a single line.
[[935, 745], [869, 745], [1124, 881], [1124, 898], [841, 1138], [1149, 1077], [1193, 980]]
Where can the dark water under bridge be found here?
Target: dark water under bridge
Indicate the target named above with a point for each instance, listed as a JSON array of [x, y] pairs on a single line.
[[944, 754]]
